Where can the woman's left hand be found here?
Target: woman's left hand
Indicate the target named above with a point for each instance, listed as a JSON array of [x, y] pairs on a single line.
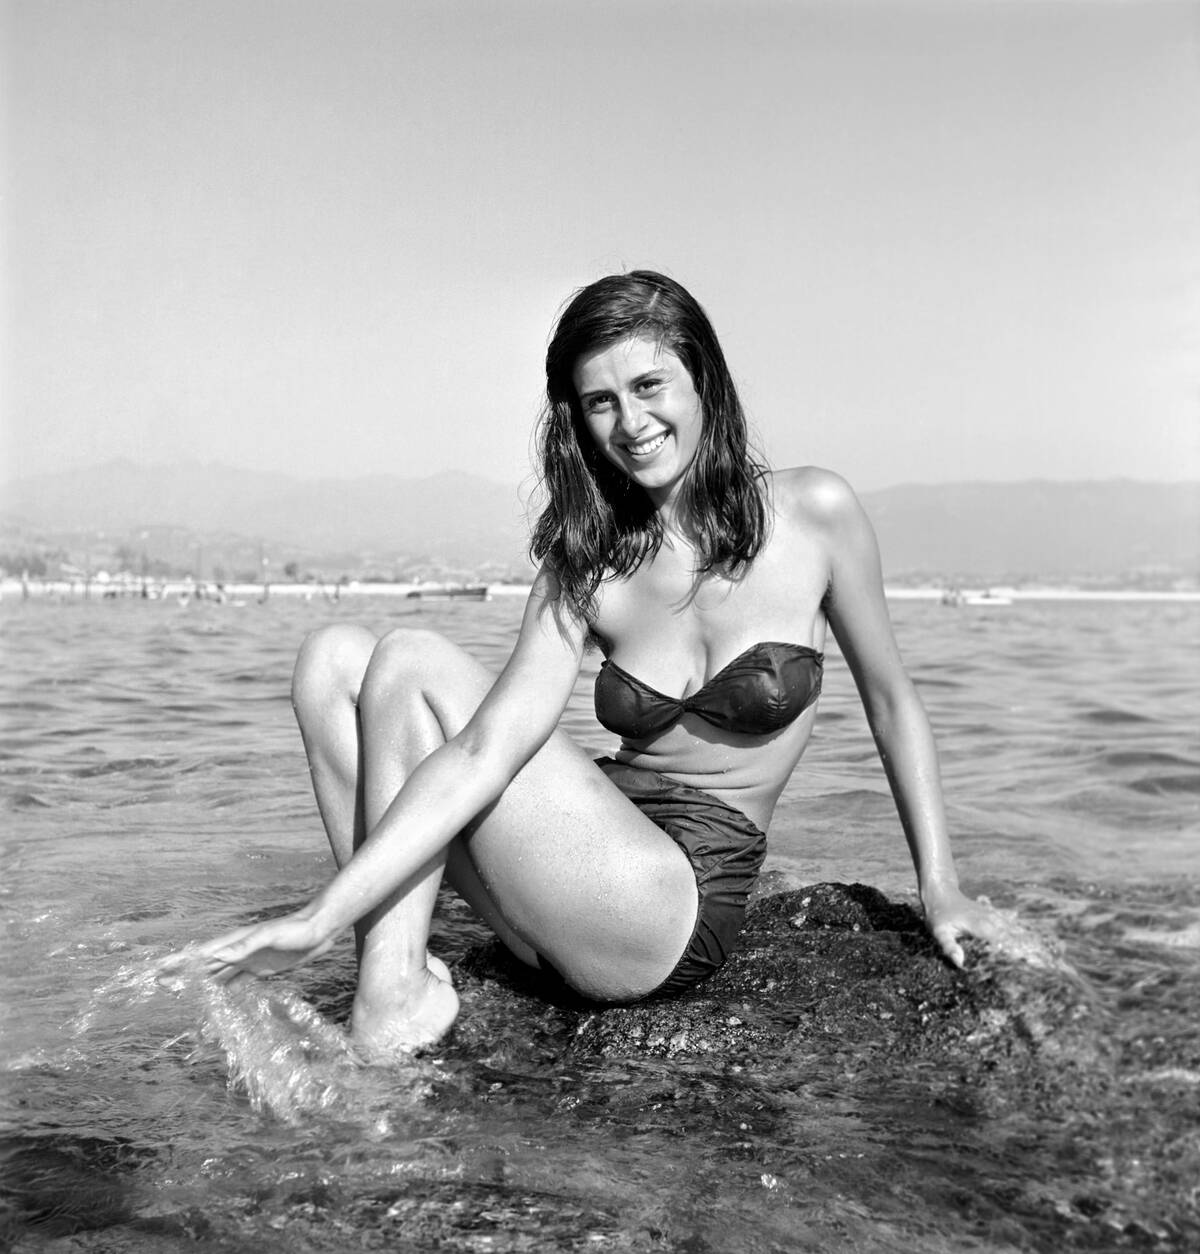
[[951, 915]]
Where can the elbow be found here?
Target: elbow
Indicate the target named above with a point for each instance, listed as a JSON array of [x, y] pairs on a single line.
[[892, 708], [488, 760], [481, 770]]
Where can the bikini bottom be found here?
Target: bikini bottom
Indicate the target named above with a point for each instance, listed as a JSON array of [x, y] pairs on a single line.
[[726, 851]]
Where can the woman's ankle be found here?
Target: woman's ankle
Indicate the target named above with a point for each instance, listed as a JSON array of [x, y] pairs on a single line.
[[408, 1015]]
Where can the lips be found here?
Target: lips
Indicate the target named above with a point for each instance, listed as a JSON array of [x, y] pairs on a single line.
[[647, 447]]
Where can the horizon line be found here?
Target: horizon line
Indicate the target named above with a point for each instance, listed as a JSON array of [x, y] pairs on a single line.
[[198, 463]]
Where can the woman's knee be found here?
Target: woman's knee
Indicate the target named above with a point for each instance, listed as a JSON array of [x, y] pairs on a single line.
[[407, 658], [331, 664]]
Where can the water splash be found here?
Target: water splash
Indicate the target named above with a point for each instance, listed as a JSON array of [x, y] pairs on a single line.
[[1017, 941], [133, 985], [285, 1057], [283, 1054]]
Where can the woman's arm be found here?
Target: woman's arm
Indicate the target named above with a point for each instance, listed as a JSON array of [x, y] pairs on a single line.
[[439, 798], [467, 773], [858, 616]]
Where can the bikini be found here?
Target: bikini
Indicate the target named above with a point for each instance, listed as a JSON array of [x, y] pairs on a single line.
[[762, 690]]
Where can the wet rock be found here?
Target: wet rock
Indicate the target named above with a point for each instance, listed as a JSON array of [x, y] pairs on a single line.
[[833, 967]]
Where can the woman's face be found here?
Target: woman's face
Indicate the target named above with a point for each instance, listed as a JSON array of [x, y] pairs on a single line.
[[642, 410]]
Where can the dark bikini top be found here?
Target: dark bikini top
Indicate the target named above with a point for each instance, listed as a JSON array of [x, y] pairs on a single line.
[[760, 691]]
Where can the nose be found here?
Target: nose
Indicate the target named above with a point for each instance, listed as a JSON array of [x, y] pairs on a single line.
[[632, 419]]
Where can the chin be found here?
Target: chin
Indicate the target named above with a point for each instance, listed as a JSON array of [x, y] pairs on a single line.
[[659, 482]]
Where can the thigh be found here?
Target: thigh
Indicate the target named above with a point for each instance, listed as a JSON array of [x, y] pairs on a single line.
[[567, 862], [583, 877]]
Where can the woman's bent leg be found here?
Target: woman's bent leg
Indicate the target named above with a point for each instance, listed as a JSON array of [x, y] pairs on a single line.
[[325, 686], [326, 689], [561, 864]]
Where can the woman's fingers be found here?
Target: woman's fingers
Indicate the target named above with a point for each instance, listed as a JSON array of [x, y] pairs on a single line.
[[171, 970], [979, 919], [254, 951], [253, 956], [946, 935]]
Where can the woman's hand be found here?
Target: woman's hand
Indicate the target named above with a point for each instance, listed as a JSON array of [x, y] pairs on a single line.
[[951, 915], [258, 950]]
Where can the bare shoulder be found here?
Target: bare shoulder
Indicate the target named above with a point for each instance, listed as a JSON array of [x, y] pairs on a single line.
[[547, 606], [545, 586], [815, 497]]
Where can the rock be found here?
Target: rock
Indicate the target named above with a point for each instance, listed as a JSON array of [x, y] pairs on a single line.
[[834, 967]]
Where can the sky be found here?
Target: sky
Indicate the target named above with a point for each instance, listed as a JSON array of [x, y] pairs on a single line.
[[939, 241]]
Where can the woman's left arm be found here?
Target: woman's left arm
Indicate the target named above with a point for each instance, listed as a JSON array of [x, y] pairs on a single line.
[[857, 612]]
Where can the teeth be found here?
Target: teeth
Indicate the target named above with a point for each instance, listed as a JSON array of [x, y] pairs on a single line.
[[650, 446]]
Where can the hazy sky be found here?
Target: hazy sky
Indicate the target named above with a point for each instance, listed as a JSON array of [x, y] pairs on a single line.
[[940, 241]]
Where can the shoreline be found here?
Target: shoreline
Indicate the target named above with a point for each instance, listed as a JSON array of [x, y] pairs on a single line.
[[186, 589]]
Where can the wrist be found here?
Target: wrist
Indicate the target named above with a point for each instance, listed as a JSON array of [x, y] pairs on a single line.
[[320, 918], [937, 889]]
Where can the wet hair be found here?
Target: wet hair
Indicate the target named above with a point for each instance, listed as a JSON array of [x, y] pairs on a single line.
[[595, 523]]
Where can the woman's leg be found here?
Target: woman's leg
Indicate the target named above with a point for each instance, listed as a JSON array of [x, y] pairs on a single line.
[[561, 864], [326, 687]]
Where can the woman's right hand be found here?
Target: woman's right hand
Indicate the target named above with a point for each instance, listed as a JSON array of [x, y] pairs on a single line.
[[259, 949]]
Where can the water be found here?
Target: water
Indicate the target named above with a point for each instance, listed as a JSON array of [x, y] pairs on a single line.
[[155, 793]]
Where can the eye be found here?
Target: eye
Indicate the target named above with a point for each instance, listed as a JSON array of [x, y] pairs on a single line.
[[597, 401], [649, 385]]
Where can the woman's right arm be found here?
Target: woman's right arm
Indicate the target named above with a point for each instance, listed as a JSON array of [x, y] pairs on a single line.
[[442, 795]]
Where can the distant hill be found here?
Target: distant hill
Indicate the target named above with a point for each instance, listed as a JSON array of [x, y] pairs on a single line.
[[991, 531], [1038, 528], [463, 519]]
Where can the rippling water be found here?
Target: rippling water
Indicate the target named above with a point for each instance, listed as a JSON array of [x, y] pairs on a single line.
[[155, 793]]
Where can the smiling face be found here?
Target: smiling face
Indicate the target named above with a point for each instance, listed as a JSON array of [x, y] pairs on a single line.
[[642, 410]]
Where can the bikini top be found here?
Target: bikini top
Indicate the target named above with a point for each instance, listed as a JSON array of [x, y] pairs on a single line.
[[761, 690]]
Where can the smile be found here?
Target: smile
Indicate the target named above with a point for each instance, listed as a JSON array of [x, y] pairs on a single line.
[[647, 446]]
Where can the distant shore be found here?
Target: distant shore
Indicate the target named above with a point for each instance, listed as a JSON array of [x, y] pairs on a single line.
[[132, 589], [182, 590]]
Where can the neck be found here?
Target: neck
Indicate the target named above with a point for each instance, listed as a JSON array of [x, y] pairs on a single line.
[[677, 528], [668, 505]]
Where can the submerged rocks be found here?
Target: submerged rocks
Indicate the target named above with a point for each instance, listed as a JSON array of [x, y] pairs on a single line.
[[834, 968]]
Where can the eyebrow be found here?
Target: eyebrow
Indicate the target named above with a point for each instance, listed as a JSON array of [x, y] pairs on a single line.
[[646, 374]]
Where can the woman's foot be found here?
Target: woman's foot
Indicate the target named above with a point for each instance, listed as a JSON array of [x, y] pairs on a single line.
[[412, 1015]]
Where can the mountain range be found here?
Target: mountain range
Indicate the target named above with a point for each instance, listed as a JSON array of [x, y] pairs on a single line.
[[986, 530]]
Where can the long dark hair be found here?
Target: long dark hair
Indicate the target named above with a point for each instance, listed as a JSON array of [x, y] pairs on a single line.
[[595, 523]]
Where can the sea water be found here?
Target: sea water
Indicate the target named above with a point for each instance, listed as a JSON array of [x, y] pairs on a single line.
[[155, 794]]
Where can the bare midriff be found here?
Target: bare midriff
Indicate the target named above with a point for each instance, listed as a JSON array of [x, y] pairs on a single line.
[[745, 772]]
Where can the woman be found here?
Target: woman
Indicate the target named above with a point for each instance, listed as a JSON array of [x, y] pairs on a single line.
[[708, 583]]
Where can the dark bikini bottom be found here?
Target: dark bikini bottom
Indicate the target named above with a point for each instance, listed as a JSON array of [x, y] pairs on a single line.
[[725, 849]]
